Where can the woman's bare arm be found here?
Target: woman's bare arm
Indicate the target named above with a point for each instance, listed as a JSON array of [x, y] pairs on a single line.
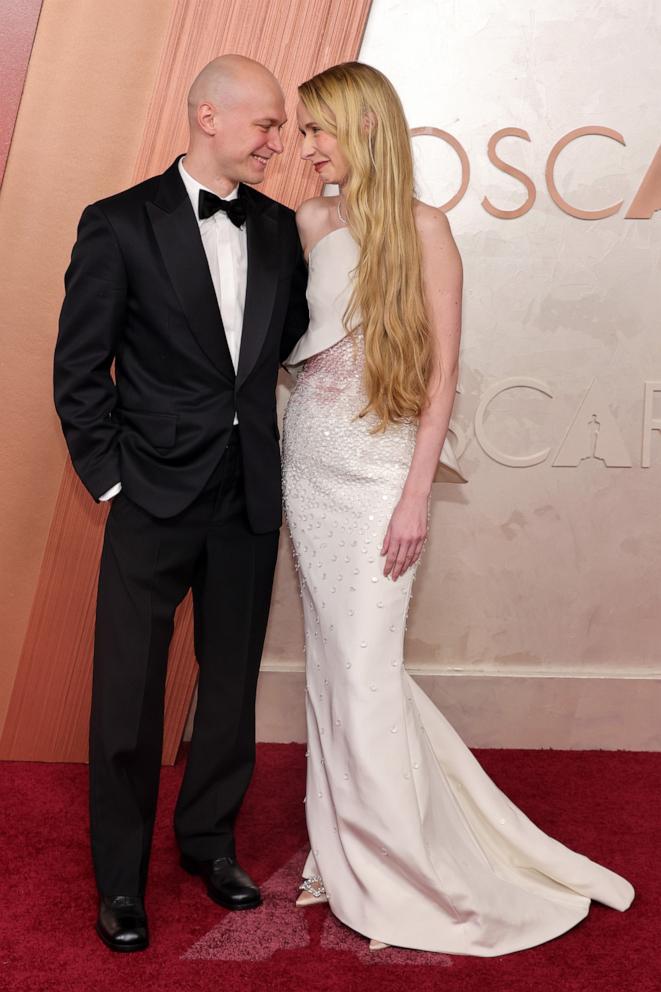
[[442, 282]]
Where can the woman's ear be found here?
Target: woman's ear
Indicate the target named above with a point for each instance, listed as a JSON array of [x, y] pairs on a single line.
[[369, 127], [369, 120]]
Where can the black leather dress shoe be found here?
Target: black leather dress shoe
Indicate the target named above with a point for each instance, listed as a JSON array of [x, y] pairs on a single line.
[[122, 923], [227, 883]]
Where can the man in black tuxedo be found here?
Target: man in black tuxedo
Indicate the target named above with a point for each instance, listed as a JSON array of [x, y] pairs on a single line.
[[193, 283]]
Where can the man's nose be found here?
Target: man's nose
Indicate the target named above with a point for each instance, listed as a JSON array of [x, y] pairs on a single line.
[[275, 142]]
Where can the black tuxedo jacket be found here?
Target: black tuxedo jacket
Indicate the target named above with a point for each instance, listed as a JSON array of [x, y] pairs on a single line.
[[139, 293]]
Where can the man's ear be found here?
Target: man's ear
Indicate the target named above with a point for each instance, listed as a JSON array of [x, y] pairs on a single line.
[[206, 118]]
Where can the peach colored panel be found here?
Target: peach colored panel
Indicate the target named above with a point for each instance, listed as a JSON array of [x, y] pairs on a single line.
[[19, 23], [48, 713], [77, 137]]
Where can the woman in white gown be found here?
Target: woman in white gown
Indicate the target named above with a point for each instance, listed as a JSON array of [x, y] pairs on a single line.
[[412, 844]]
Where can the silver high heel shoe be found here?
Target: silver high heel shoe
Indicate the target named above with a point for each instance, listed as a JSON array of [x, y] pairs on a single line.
[[377, 945], [312, 892]]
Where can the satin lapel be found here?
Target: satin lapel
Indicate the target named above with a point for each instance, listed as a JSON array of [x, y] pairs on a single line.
[[178, 237], [262, 280]]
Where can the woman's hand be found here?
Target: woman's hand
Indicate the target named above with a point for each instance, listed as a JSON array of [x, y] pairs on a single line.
[[406, 535]]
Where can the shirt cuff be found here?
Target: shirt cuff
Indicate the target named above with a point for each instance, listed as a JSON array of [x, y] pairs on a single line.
[[117, 488]]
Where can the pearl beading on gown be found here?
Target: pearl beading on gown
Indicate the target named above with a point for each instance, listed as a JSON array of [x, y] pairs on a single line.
[[416, 845]]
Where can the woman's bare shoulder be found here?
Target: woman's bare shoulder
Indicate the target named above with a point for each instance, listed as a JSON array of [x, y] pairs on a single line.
[[431, 223], [314, 217], [441, 260], [314, 212], [310, 208]]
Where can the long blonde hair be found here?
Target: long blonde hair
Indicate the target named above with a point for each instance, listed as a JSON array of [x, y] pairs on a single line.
[[359, 106]]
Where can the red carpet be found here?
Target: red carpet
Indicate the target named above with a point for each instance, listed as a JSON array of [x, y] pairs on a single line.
[[605, 804]]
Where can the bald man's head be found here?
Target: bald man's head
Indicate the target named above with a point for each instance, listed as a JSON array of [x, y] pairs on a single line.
[[236, 109], [227, 79]]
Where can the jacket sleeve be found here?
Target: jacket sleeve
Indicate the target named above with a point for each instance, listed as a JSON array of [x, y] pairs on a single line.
[[91, 322], [297, 318]]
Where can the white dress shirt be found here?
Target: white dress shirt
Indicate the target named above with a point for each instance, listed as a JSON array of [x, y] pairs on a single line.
[[226, 248]]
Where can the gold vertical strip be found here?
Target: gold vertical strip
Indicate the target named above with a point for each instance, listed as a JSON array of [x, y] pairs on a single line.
[[294, 39]]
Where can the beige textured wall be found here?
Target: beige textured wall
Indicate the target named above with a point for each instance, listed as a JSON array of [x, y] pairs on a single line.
[[534, 620], [549, 573], [546, 567]]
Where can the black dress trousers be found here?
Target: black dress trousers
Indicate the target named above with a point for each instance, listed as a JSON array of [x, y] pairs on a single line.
[[147, 567]]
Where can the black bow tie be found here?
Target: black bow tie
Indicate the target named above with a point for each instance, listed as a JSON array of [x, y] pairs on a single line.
[[209, 203]]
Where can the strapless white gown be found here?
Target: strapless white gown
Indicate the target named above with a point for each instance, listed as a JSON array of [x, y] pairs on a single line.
[[415, 844]]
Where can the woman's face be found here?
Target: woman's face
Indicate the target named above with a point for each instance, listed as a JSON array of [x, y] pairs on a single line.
[[321, 149]]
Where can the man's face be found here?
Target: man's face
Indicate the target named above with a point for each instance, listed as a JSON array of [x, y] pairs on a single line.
[[248, 132]]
